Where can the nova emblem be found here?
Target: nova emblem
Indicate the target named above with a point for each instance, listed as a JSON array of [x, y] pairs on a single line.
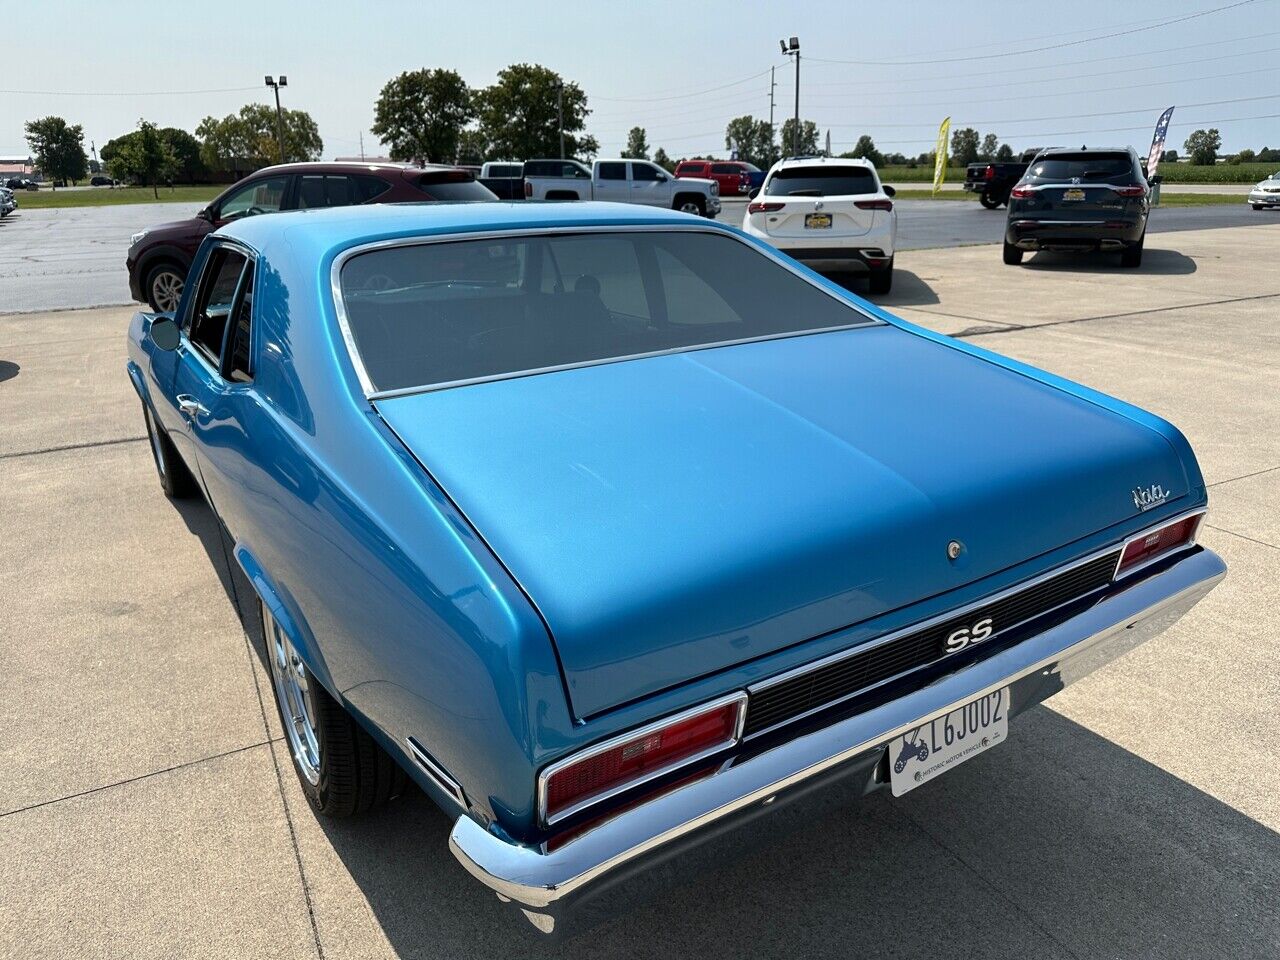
[[1144, 498], [963, 637], [818, 205]]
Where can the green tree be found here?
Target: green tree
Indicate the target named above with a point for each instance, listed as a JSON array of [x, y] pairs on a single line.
[[753, 139], [865, 149], [808, 138], [1169, 156], [1203, 145], [472, 147], [58, 149], [519, 117], [187, 167], [990, 145], [964, 147], [144, 159], [637, 145], [1005, 152], [1245, 156], [421, 115], [244, 141], [661, 159]]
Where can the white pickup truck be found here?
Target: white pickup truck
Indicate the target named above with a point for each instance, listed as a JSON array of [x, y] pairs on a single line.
[[622, 181]]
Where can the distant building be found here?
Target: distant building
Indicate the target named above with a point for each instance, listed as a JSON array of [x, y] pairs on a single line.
[[17, 167]]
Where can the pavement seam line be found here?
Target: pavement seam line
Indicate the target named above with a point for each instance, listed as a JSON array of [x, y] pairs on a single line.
[[71, 446], [1115, 316], [1048, 935], [1261, 543], [1245, 476], [275, 760], [139, 777]]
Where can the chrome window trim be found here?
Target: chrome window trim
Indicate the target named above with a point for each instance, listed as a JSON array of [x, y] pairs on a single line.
[[187, 346], [738, 696], [1201, 512], [436, 772], [362, 375]]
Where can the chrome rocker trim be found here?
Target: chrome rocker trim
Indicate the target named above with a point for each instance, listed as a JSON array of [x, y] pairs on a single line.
[[545, 883]]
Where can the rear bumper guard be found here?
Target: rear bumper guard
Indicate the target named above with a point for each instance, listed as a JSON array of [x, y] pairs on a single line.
[[545, 883]]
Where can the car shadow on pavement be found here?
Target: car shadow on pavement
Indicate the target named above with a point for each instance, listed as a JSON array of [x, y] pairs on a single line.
[[1057, 844], [908, 288], [8, 370], [1155, 262]]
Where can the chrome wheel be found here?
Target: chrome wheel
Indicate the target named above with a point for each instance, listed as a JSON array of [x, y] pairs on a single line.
[[690, 207], [297, 702], [166, 291]]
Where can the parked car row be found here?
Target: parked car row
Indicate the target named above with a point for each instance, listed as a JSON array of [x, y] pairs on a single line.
[[8, 202], [20, 183], [1266, 193]]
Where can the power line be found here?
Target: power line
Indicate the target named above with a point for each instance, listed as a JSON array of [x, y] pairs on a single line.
[[1052, 46], [697, 93]]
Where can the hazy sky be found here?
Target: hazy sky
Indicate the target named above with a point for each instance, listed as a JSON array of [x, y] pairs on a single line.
[[680, 70]]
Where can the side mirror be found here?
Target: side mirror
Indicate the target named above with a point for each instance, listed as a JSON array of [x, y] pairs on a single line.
[[663, 178], [164, 333], [206, 214], [889, 191], [1156, 179], [755, 192]]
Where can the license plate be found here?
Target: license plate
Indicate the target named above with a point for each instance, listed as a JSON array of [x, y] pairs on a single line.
[[817, 221], [1072, 194], [933, 748]]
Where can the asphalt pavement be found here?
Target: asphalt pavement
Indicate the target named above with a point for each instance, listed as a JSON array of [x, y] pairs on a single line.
[[65, 258], [147, 806]]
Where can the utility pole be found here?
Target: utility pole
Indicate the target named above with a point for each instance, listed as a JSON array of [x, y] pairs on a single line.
[[560, 115], [791, 48], [362, 146], [274, 85], [772, 83]]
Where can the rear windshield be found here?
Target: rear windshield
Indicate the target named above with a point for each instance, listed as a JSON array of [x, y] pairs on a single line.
[[821, 182], [1097, 167], [454, 185], [437, 313]]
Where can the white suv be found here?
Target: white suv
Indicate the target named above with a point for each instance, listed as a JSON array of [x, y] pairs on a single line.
[[829, 213]]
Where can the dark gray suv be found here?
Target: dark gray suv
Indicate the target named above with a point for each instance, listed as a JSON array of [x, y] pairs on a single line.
[[1080, 200]]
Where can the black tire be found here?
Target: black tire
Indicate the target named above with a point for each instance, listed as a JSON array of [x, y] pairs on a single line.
[[355, 775], [988, 201], [162, 282], [175, 479], [1132, 256], [1012, 254], [880, 282], [690, 203]]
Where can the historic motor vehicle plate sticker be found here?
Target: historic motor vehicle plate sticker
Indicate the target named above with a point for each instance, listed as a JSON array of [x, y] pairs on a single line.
[[933, 748]]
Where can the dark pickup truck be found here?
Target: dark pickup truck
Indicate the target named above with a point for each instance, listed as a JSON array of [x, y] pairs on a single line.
[[993, 181]]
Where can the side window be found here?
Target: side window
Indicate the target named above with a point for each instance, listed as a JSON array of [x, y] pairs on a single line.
[[327, 191], [613, 171], [260, 196], [723, 168], [238, 363], [603, 267], [644, 172], [214, 302], [365, 188]]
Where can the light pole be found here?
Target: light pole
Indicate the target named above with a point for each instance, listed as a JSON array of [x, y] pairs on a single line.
[[791, 48], [560, 115], [276, 85]]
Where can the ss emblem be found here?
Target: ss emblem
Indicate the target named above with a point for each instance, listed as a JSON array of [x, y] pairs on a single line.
[[957, 640]]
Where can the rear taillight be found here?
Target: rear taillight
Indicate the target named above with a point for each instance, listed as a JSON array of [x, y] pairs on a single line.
[[989, 173], [633, 758], [1156, 543], [528, 189], [873, 204], [1135, 190], [762, 207], [1022, 193]]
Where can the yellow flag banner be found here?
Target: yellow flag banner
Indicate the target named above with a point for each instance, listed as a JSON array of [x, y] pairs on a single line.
[[940, 161]]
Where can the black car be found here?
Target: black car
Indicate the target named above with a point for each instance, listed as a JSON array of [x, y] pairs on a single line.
[[101, 182], [1080, 200], [992, 181]]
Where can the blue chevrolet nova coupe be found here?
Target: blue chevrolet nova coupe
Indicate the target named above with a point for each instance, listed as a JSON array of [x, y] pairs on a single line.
[[610, 528]]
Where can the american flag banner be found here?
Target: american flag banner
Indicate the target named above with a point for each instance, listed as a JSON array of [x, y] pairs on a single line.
[[1157, 142]]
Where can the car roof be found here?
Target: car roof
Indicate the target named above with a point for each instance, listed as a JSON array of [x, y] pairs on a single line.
[[349, 166], [302, 236], [1050, 151], [823, 161]]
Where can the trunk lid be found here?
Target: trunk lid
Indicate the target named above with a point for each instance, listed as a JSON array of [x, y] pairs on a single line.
[[676, 515], [803, 218]]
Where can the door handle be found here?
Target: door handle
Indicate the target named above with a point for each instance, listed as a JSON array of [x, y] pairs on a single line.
[[190, 406]]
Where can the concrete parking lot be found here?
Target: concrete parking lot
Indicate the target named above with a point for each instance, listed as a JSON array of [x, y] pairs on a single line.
[[147, 807]]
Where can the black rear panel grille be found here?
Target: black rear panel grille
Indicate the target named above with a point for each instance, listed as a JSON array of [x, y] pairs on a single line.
[[848, 675]]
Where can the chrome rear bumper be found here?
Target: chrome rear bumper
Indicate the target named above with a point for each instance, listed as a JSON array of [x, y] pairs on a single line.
[[545, 883]]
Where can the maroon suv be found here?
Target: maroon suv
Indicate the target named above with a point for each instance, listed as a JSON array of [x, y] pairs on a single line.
[[160, 257]]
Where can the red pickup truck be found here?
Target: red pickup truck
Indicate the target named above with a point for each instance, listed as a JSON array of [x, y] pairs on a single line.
[[733, 176]]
